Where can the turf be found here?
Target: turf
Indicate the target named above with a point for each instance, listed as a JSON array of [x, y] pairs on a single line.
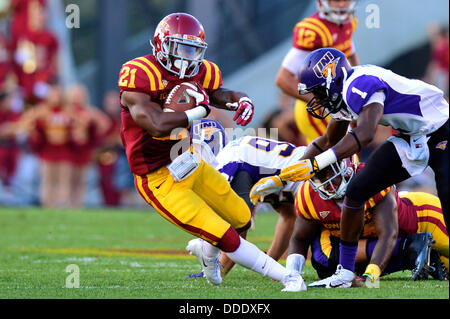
[[137, 254]]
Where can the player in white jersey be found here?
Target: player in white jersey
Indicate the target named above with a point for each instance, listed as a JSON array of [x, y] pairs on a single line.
[[243, 162], [369, 95]]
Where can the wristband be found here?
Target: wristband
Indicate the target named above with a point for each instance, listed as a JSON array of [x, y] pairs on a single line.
[[326, 158], [373, 272], [196, 113]]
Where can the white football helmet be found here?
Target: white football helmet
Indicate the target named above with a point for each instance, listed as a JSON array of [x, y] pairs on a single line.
[[332, 181]]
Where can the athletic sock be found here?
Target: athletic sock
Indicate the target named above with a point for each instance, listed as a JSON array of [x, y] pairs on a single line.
[[208, 250], [347, 254], [250, 256]]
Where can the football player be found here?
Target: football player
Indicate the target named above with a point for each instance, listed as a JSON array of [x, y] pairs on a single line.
[[331, 26], [370, 95], [182, 188], [243, 162], [395, 221]]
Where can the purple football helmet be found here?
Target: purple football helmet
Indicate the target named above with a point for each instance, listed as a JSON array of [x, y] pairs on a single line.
[[323, 73]]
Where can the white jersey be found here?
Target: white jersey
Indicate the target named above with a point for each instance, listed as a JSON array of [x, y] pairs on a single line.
[[411, 106], [260, 157]]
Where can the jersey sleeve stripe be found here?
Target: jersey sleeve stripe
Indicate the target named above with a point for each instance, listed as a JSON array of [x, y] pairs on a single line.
[[208, 74], [300, 204], [155, 71], [147, 71], [323, 27], [216, 76], [307, 197], [354, 23]]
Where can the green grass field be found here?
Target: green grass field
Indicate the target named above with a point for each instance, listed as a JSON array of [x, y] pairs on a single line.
[[137, 254]]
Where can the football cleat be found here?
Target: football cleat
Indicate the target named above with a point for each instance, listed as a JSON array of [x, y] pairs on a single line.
[[436, 269], [418, 254], [342, 278], [210, 266], [294, 282]]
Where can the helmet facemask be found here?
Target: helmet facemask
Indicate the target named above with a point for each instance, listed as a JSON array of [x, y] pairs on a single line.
[[337, 15], [322, 104], [331, 182], [182, 55]]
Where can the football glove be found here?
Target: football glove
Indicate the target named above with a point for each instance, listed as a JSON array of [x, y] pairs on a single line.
[[244, 111], [200, 96], [302, 171], [264, 187]]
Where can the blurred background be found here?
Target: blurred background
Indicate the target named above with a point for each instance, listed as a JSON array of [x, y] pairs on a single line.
[[59, 65]]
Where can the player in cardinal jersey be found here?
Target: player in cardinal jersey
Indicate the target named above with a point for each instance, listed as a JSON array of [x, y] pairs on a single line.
[[333, 26], [389, 222], [183, 189], [243, 162], [370, 95]]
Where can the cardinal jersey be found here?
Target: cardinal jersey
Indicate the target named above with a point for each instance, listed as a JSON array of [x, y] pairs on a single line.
[[260, 157], [316, 32], [311, 206], [146, 153], [411, 106]]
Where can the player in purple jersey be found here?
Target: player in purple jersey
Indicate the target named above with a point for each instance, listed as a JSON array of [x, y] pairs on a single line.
[[370, 95]]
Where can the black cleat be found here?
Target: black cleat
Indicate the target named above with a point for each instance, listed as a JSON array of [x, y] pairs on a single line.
[[418, 252], [436, 269]]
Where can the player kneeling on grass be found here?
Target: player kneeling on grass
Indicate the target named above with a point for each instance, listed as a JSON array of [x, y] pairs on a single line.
[[183, 189], [397, 235]]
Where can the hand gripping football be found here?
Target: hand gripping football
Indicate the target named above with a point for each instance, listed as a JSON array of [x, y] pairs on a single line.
[[179, 100]]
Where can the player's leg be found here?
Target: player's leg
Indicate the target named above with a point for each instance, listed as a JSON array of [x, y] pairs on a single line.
[[283, 230], [241, 184], [439, 159], [215, 190], [383, 169]]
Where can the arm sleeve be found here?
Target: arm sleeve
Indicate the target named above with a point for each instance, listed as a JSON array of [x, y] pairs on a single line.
[[361, 89], [212, 79], [294, 59]]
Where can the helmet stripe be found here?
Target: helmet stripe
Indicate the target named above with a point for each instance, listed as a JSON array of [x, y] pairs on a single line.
[[323, 27], [155, 70]]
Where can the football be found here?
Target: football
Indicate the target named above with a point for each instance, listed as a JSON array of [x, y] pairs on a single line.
[[178, 99]]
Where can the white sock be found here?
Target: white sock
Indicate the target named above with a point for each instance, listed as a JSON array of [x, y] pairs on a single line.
[[250, 256], [208, 250], [295, 262]]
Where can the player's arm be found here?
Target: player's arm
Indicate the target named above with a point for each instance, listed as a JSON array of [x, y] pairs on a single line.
[[336, 130], [149, 115], [303, 234], [353, 59], [350, 144], [233, 101], [222, 96], [288, 83], [362, 134], [283, 230], [386, 226]]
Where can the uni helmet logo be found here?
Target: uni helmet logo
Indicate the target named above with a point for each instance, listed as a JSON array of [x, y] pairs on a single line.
[[326, 66]]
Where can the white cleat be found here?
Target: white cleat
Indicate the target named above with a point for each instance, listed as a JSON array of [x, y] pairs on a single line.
[[294, 282], [210, 266], [342, 278]]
